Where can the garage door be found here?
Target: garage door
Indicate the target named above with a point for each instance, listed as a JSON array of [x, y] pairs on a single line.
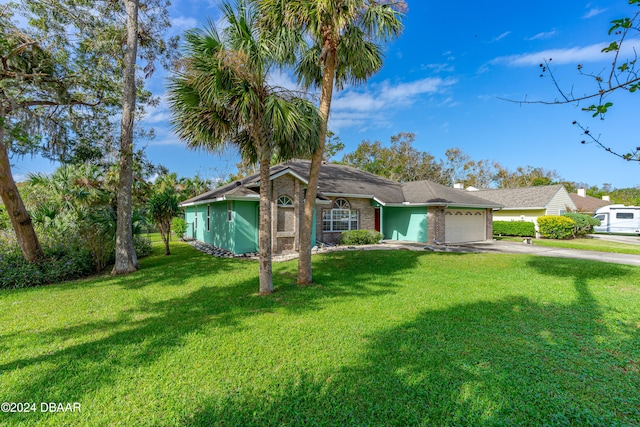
[[464, 225]]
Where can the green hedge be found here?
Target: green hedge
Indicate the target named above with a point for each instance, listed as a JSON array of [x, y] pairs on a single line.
[[514, 228], [583, 223], [556, 227], [360, 237]]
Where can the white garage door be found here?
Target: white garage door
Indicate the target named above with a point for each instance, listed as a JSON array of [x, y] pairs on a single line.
[[464, 225]]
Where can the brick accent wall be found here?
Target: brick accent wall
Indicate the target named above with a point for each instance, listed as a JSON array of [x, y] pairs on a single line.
[[286, 225], [489, 234], [435, 224], [366, 218]]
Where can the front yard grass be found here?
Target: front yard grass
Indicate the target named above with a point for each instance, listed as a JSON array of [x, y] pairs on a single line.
[[381, 338]]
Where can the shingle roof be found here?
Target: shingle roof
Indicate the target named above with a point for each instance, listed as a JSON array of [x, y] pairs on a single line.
[[588, 203], [526, 197], [342, 179]]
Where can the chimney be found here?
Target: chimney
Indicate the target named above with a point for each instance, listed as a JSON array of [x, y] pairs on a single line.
[[458, 186], [606, 198], [582, 192]]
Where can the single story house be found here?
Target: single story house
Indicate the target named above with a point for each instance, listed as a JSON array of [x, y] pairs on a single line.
[[348, 199], [528, 203], [587, 204]]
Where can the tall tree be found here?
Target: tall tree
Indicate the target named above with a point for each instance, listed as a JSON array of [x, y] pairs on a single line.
[[148, 34], [343, 48], [221, 96], [126, 260], [401, 161], [54, 92]]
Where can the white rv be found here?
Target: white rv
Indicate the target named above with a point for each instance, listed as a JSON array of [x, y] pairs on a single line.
[[618, 219]]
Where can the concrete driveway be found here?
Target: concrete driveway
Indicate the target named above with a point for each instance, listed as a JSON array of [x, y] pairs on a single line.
[[521, 248], [631, 240]]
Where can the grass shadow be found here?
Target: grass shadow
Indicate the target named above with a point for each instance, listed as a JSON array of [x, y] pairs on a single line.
[[79, 358], [509, 362]]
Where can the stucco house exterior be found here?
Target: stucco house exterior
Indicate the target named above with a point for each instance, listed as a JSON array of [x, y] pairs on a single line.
[[348, 199], [528, 203]]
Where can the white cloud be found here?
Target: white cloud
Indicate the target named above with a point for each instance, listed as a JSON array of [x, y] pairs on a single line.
[[375, 104], [543, 35], [501, 36], [593, 12], [182, 23], [575, 55]]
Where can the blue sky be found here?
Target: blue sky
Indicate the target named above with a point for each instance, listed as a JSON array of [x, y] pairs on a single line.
[[443, 80]]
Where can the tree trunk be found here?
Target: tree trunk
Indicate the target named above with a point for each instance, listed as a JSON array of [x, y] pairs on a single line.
[[264, 232], [166, 233], [126, 259], [20, 219], [304, 260]]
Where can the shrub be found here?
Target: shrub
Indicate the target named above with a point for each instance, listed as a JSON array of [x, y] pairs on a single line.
[[514, 228], [360, 237], [583, 223], [556, 227], [179, 226], [142, 246], [60, 263]]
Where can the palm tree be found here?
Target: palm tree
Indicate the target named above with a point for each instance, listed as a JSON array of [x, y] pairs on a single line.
[[345, 38], [221, 96]]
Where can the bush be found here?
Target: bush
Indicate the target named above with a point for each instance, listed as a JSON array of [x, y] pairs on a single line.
[[360, 237], [142, 246], [583, 223], [556, 227], [179, 226], [61, 263], [514, 228]]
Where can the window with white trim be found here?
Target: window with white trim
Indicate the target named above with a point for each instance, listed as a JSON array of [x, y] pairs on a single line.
[[195, 222], [340, 218], [285, 202], [229, 211], [208, 218]]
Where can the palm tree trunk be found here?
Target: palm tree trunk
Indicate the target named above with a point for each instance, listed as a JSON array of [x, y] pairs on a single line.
[[20, 219], [126, 259], [264, 232], [304, 260]]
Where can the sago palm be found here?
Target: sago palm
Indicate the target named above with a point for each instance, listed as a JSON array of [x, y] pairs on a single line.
[[343, 46], [222, 96]]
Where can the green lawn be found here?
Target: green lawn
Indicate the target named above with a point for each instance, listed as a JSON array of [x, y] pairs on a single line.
[[383, 338]]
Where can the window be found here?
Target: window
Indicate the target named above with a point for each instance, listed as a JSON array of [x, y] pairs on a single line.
[[340, 218], [208, 218], [285, 202], [229, 211], [624, 215], [195, 223], [600, 217]]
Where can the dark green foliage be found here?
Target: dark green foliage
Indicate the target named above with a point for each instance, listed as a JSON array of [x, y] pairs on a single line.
[[179, 226], [142, 245], [583, 223], [514, 228], [360, 237], [61, 263], [556, 227]]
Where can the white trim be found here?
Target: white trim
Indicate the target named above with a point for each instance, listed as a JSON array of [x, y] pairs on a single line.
[[220, 199]]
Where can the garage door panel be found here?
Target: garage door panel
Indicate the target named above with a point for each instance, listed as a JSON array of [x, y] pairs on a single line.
[[464, 225]]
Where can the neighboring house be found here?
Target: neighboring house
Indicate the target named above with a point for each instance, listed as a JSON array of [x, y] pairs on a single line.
[[587, 204], [529, 203], [348, 199]]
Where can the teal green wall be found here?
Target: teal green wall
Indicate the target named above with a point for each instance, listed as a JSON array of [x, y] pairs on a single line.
[[240, 235], [408, 223]]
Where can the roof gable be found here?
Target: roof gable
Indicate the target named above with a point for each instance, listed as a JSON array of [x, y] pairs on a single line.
[[345, 180]]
